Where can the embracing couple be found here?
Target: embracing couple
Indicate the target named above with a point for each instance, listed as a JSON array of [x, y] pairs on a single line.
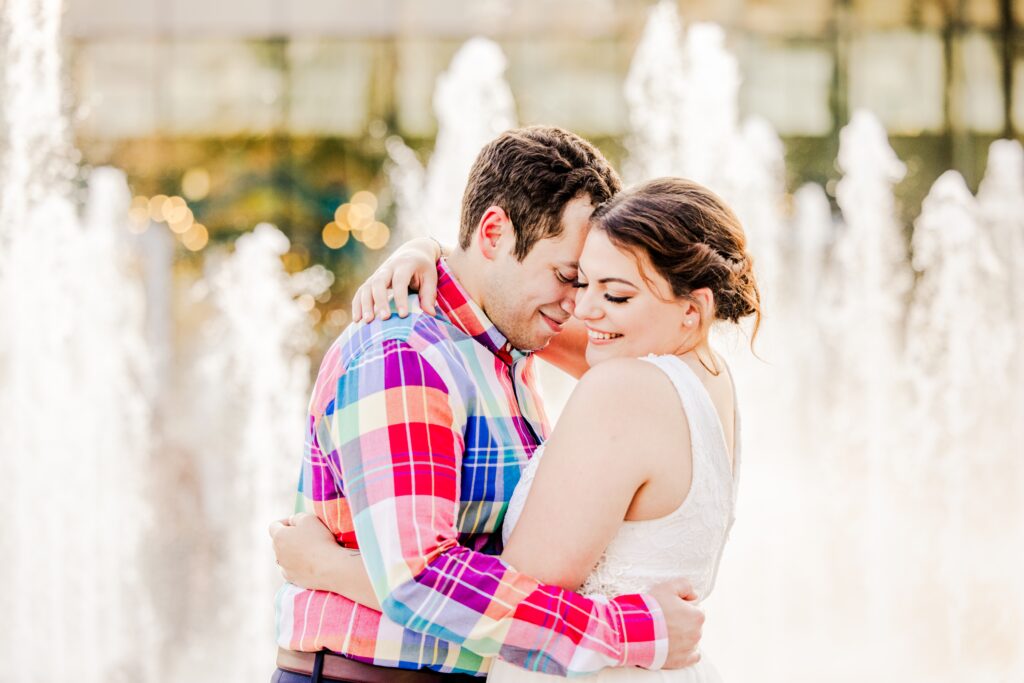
[[446, 531]]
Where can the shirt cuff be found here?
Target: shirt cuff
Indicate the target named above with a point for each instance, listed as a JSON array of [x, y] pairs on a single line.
[[644, 632]]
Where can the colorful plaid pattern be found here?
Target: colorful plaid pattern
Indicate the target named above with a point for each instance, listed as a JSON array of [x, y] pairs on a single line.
[[418, 430]]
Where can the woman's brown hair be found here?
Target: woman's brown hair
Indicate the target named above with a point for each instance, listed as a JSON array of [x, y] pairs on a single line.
[[691, 237]]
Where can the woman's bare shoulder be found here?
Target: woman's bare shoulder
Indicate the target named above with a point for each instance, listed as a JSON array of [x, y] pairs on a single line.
[[627, 391], [627, 374]]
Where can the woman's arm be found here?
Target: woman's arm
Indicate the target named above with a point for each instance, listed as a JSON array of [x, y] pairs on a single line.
[[603, 450], [567, 350], [349, 578]]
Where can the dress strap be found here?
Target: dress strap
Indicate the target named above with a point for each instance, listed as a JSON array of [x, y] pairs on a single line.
[[706, 432]]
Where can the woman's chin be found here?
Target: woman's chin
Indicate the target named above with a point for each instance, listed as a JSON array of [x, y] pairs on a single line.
[[597, 354]]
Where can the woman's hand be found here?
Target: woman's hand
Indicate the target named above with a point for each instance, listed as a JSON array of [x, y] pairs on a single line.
[[305, 550], [410, 269], [310, 558]]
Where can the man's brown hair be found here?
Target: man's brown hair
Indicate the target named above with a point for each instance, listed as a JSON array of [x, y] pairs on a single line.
[[532, 173]]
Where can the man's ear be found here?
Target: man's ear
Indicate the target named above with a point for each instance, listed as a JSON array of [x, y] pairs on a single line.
[[495, 231]]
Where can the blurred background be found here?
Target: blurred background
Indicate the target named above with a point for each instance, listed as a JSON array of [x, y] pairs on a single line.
[[192, 191]]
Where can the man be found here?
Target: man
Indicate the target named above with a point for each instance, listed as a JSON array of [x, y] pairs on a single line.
[[418, 429]]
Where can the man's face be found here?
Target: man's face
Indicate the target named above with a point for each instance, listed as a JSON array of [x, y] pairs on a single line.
[[530, 300]]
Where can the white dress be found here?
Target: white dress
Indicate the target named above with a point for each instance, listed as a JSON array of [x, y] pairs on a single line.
[[685, 543]]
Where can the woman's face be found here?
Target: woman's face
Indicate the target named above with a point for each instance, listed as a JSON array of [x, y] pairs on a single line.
[[626, 315]]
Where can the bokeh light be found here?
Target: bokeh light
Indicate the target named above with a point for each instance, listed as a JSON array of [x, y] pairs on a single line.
[[156, 207], [376, 236], [138, 215], [334, 236], [366, 198], [183, 222], [196, 237], [195, 184], [174, 210], [338, 318], [360, 216]]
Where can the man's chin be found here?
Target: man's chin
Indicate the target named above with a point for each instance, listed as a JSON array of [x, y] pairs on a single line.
[[542, 345], [534, 343], [532, 346]]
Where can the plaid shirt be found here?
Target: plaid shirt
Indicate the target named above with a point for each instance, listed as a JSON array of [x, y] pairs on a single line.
[[418, 429]]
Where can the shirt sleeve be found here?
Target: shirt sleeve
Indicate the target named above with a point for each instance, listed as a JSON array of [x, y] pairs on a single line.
[[401, 447]]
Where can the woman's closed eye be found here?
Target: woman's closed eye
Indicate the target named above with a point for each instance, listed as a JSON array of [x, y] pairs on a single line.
[[580, 284]]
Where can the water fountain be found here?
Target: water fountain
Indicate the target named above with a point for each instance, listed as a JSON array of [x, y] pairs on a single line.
[[847, 492], [656, 94], [863, 325], [115, 573], [949, 377], [473, 104], [803, 307], [240, 418], [1001, 203], [74, 436], [1001, 206]]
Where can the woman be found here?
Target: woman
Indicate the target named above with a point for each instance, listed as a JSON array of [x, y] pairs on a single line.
[[662, 262]]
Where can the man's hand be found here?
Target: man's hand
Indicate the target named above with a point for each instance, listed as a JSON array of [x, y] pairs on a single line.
[[410, 269], [305, 549], [685, 621]]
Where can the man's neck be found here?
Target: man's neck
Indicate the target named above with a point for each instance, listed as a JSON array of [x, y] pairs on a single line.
[[465, 272]]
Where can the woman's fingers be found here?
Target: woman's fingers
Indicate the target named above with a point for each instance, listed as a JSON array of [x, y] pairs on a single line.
[[684, 589], [401, 275], [366, 303], [357, 306], [428, 292], [400, 283], [379, 292]]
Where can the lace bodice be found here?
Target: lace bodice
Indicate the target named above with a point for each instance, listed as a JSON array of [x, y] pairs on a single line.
[[685, 543]]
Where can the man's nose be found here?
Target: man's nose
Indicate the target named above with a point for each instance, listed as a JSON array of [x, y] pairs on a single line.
[[568, 304]]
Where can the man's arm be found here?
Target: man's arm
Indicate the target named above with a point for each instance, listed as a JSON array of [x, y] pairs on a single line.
[[401, 449]]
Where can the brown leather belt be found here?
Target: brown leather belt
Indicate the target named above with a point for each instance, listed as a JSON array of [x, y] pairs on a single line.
[[338, 668]]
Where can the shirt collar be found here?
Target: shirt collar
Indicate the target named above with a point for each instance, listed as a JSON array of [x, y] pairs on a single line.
[[466, 315]]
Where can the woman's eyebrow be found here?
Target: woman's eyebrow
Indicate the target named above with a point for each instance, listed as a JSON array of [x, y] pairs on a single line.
[[617, 279]]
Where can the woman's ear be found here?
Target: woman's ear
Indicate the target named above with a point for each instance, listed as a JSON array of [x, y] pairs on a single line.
[[494, 230], [702, 306]]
